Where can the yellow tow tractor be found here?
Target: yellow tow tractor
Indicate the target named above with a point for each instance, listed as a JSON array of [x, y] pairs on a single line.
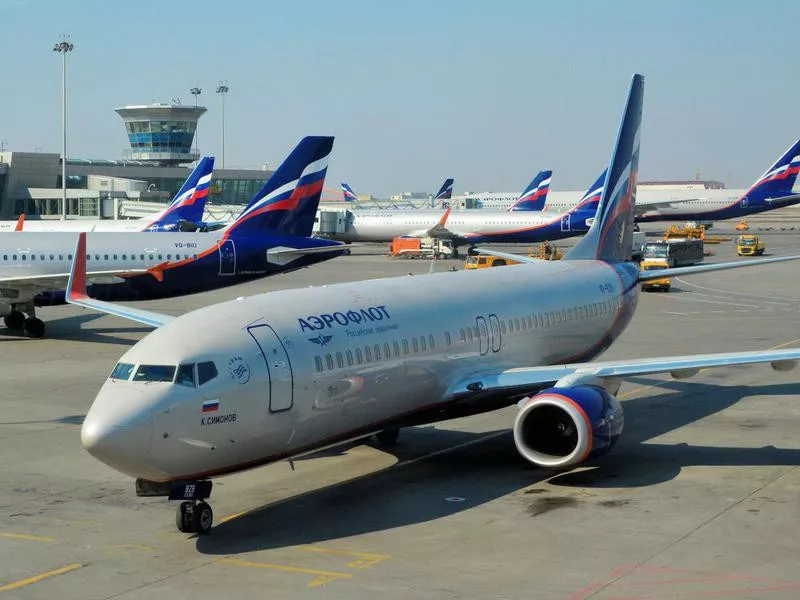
[[483, 261], [655, 264], [750, 245], [742, 225]]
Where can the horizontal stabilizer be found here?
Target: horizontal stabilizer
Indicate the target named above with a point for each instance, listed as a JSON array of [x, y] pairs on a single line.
[[283, 255], [662, 273], [509, 256]]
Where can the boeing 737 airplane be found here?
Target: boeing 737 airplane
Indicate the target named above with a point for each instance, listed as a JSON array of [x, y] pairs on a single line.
[[265, 378], [185, 210], [477, 226], [270, 236]]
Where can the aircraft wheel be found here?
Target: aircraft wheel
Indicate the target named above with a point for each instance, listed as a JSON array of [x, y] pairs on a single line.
[[203, 518], [16, 320], [184, 517], [34, 327], [387, 437]]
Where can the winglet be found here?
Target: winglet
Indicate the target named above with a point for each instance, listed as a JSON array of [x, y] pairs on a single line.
[[77, 295], [76, 286], [20, 222], [443, 221]]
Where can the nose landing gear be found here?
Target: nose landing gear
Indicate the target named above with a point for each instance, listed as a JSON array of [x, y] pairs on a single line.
[[194, 517], [193, 514]]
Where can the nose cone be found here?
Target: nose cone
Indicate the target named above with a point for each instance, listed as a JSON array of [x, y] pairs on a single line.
[[121, 441]]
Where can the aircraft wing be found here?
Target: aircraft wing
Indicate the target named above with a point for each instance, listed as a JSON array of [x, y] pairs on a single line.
[[76, 293], [59, 280], [643, 208], [530, 380]]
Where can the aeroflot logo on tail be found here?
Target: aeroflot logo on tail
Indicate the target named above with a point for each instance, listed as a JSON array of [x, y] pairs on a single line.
[[351, 317]]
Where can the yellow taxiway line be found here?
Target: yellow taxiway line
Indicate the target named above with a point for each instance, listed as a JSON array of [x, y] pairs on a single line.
[[15, 585], [25, 536], [322, 577]]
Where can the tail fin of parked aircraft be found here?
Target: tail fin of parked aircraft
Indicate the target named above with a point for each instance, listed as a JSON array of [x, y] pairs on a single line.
[[190, 201], [778, 180], [446, 191], [288, 202], [591, 199], [535, 195], [610, 237], [348, 193]]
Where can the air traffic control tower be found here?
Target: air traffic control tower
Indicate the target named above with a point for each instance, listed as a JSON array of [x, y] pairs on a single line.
[[161, 134]]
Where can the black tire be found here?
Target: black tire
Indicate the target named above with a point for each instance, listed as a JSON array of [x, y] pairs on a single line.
[[203, 518], [34, 327], [184, 517], [15, 320], [387, 437]]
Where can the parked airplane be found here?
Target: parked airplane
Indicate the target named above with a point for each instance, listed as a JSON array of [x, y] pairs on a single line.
[[476, 226], [270, 236], [259, 379], [348, 193], [770, 191], [184, 212], [534, 197]]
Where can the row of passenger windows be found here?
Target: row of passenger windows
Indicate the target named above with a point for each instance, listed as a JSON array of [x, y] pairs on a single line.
[[404, 347], [32, 257], [374, 353], [187, 374]]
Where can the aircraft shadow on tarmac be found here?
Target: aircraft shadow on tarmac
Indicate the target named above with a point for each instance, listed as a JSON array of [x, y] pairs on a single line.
[[70, 328], [461, 479]]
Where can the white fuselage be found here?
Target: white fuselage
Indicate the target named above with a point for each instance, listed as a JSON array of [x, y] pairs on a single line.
[[77, 225], [385, 225], [300, 369]]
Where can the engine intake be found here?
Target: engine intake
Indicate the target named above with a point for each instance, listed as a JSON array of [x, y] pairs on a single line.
[[562, 427]]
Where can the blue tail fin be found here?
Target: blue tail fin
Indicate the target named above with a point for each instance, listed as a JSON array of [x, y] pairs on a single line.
[[535, 195], [610, 237], [348, 193], [190, 201], [591, 199], [446, 191], [779, 179], [288, 202]]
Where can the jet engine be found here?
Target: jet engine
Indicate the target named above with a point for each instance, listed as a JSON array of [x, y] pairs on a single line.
[[562, 427]]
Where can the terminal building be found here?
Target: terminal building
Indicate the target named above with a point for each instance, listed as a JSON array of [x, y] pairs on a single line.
[[150, 171]]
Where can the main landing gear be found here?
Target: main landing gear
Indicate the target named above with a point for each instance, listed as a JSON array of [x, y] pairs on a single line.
[[16, 320]]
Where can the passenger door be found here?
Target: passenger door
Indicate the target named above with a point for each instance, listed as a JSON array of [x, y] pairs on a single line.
[[565, 222], [495, 333], [280, 381], [227, 258], [483, 335]]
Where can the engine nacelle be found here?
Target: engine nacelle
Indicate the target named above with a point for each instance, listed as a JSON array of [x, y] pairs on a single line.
[[562, 427]]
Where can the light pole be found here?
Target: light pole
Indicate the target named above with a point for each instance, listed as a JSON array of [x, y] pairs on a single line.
[[222, 89], [196, 91], [63, 47]]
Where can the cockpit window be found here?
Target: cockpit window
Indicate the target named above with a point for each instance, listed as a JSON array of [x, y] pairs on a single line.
[[122, 371], [154, 373], [206, 371], [185, 375]]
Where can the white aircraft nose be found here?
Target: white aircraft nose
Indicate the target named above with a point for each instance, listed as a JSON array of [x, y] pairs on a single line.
[[124, 448]]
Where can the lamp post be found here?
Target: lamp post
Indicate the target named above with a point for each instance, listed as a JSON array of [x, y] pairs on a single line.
[[222, 89], [63, 47], [196, 91]]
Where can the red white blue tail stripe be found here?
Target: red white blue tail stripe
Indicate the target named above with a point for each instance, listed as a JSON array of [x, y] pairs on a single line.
[[446, 191], [348, 193], [534, 197], [288, 201], [190, 201], [610, 236]]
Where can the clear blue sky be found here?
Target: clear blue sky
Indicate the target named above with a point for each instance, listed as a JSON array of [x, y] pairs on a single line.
[[487, 92]]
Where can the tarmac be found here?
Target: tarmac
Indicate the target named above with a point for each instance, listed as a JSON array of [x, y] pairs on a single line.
[[699, 499]]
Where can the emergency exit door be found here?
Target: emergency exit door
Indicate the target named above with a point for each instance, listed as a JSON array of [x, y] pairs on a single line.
[[280, 382]]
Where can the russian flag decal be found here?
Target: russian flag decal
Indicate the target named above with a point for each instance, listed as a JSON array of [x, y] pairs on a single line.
[[210, 406]]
